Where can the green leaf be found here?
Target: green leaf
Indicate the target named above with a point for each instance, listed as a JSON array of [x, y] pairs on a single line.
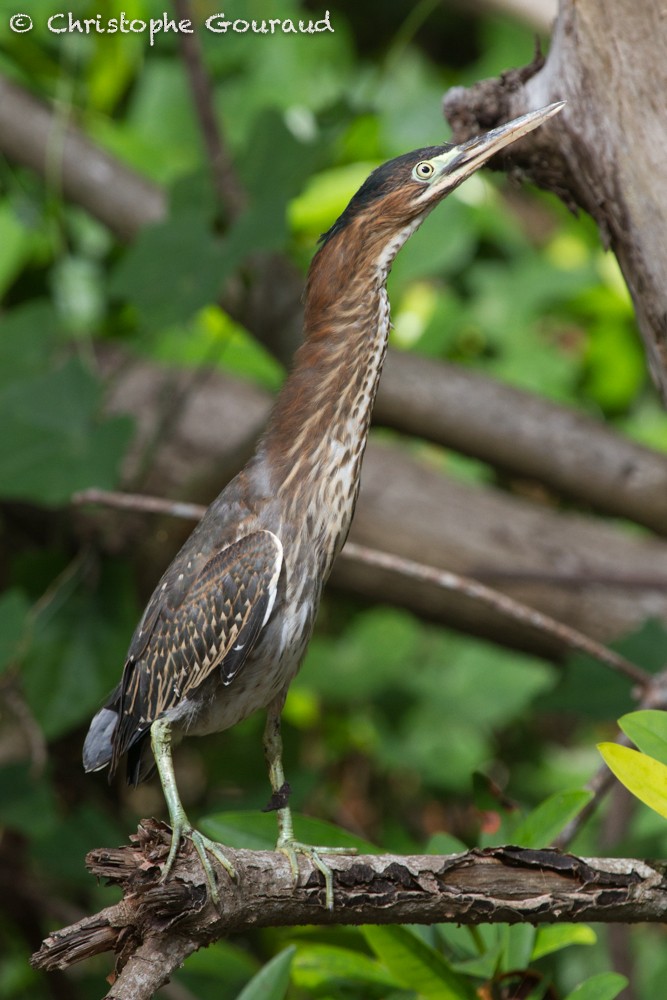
[[645, 777], [598, 693], [321, 965], [172, 270], [553, 938], [518, 941], [427, 254], [545, 822], [263, 225], [258, 831], [445, 843], [27, 803], [78, 648], [15, 246], [272, 981], [29, 333], [14, 610], [416, 965], [203, 970], [53, 442], [648, 731], [325, 196], [604, 986]]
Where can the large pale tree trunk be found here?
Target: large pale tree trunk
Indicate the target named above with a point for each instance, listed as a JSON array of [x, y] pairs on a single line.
[[607, 152]]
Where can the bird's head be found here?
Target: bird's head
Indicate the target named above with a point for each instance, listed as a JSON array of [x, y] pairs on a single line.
[[397, 196]]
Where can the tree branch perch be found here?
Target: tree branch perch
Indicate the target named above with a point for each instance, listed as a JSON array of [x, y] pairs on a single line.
[[490, 885]]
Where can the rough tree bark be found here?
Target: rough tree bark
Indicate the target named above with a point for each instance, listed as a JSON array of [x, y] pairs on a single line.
[[157, 925], [605, 153]]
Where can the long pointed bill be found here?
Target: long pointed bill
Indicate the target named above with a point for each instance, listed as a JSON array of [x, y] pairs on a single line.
[[461, 161]]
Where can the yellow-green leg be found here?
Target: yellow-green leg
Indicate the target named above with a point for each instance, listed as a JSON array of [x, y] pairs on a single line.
[[180, 824], [273, 749]]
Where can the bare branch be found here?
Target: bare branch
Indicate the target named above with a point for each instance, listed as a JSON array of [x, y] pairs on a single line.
[[117, 196], [408, 568], [406, 504], [228, 189], [139, 502], [533, 438], [654, 696], [151, 965], [561, 578], [528, 436], [501, 602], [159, 924]]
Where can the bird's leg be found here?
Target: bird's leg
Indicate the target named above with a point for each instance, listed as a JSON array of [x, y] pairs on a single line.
[[180, 824], [273, 750]]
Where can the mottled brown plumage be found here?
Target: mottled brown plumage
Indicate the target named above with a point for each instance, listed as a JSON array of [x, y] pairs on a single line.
[[228, 625]]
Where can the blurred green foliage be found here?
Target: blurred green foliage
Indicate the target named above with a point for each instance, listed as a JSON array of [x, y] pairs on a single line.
[[389, 718]]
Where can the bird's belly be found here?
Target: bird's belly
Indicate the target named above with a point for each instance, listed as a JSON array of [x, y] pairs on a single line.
[[269, 670]]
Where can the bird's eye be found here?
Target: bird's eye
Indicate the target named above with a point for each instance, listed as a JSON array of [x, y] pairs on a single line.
[[424, 170]]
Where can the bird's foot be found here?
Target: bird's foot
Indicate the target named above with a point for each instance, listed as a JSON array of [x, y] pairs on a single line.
[[203, 846], [291, 848]]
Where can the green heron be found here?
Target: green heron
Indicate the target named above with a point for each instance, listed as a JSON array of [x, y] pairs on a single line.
[[229, 622]]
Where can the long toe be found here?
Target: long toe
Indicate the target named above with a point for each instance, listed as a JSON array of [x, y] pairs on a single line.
[[204, 847], [291, 848]]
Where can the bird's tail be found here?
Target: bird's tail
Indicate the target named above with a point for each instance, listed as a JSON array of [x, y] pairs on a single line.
[[98, 746], [98, 749]]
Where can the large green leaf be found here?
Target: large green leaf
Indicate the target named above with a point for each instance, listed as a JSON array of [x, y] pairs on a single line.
[[272, 981], [219, 971], [445, 843], [172, 270], [263, 226], [605, 986], [29, 335], [554, 937], [53, 441], [545, 822], [645, 777], [27, 801], [15, 245], [648, 731], [259, 831], [78, 648], [14, 609], [325, 967], [416, 965]]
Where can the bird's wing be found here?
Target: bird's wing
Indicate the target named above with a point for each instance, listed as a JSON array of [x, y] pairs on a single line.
[[212, 624]]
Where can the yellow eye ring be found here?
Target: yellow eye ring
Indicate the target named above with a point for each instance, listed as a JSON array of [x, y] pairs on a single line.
[[424, 170]]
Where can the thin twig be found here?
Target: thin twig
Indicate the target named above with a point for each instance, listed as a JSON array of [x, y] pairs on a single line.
[[227, 187], [417, 571], [10, 692], [29, 725], [502, 603], [599, 785], [140, 503], [566, 579], [655, 696]]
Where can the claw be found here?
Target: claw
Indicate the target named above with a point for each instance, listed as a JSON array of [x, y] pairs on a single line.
[[180, 824], [290, 848], [203, 846], [287, 844]]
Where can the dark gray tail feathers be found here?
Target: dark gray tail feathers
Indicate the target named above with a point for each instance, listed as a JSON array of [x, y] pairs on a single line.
[[97, 749]]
